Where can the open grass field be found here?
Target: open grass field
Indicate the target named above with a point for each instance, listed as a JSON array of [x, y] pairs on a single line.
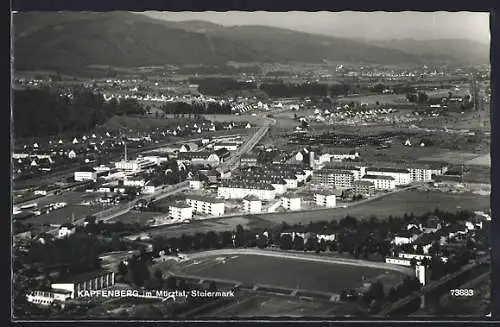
[[453, 157], [481, 160], [140, 217], [372, 99], [64, 215], [287, 272], [204, 226], [396, 204]]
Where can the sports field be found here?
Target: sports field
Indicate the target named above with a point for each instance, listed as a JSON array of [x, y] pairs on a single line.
[[287, 272]]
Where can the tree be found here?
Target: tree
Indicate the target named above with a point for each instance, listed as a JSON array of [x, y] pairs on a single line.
[[413, 262], [212, 287], [333, 246], [419, 249], [122, 269], [422, 98], [298, 243], [286, 242]]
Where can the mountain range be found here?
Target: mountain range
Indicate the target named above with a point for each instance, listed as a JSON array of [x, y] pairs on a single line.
[[52, 40]]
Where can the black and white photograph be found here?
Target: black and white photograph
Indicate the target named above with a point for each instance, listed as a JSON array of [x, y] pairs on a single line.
[[250, 165]]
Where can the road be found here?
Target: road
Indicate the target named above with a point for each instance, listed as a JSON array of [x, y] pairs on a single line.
[[122, 209], [233, 161]]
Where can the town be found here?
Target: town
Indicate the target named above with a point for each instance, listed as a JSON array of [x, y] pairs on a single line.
[[331, 189]]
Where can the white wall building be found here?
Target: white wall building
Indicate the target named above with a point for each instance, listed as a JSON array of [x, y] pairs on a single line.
[[211, 207], [325, 199], [180, 212], [48, 297], [134, 165], [236, 190], [85, 175], [290, 202], [381, 182], [195, 184], [401, 176], [398, 261], [252, 205], [135, 182], [66, 230]]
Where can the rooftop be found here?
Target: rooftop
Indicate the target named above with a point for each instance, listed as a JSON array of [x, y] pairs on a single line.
[[388, 170], [388, 178], [203, 198]]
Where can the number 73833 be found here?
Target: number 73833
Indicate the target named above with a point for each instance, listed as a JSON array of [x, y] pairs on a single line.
[[462, 292]]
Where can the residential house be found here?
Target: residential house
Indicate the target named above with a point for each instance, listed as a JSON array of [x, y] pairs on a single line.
[[206, 205], [400, 176], [380, 182], [66, 230], [180, 212], [290, 202], [325, 199], [252, 204], [85, 174], [364, 187]]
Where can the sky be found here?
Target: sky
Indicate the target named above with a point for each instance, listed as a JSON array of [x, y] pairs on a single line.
[[349, 24]]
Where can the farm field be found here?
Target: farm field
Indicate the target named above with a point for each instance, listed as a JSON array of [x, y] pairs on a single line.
[[287, 272]]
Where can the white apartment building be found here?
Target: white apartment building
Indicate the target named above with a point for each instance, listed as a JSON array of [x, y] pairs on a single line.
[[157, 160], [195, 184], [290, 202], [344, 156], [207, 206], [134, 165], [291, 183], [135, 182], [325, 200], [47, 298], [424, 173], [180, 212], [85, 175], [252, 204], [400, 176], [398, 261], [333, 177], [239, 190], [381, 182], [228, 146]]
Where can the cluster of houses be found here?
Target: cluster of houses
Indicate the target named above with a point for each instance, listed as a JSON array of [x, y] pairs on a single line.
[[435, 231]]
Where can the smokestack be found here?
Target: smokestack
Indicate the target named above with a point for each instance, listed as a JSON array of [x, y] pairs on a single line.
[[125, 157], [311, 159]]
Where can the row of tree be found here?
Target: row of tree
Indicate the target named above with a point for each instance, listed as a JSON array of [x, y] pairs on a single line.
[[196, 108], [42, 112]]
